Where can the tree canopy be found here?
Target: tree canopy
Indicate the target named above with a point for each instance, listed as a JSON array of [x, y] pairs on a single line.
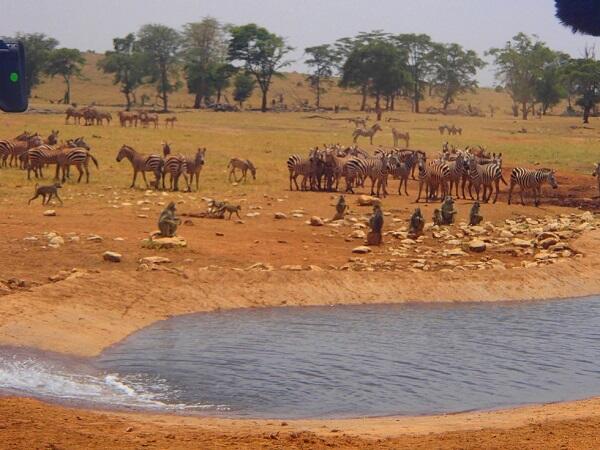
[[66, 63], [322, 59]]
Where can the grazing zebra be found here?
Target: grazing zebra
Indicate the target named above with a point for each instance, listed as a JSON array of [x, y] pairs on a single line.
[[142, 163], [128, 117], [597, 175], [531, 179], [432, 175], [369, 132], [78, 157], [375, 168], [146, 118], [443, 128], [397, 135], [243, 165], [101, 116]]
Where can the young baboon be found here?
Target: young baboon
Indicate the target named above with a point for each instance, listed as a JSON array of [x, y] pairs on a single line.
[[232, 209], [168, 221], [47, 192]]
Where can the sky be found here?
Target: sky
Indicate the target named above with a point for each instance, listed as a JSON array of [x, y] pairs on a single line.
[[475, 24]]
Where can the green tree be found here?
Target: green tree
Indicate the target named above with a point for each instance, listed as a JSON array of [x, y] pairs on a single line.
[[550, 87], [584, 73], [38, 47], [419, 49], [323, 61], [66, 63], [243, 86], [160, 45], [520, 64], [454, 71], [379, 66], [205, 53], [261, 53], [127, 65]]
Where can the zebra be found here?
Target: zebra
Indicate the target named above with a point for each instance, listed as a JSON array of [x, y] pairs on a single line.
[[299, 165], [401, 169], [36, 158], [141, 163], [52, 138], [531, 179], [243, 165], [78, 157], [336, 166], [12, 150], [397, 135], [375, 168], [194, 166], [457, 169], [432, 175], [597, 175], [369, 132], [175, 166], [486, 175]]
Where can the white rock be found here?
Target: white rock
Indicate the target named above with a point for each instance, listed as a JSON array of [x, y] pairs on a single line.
[[361, 250], [112, 256], [316, 221], [50, 213], [154, 260], [477, 245]]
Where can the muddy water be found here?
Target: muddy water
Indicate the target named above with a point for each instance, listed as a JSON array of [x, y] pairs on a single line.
[[343, 361]]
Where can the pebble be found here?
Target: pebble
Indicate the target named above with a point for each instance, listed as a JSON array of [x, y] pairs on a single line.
[[112, 256], [50, 213], [361, 249]]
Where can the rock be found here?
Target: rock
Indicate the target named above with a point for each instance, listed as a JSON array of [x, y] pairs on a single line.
[[219, 233], [367, 200], [506, 234], [298, 215], [477, 246], [30, 239], [50, 213], [587, 216], [94, 238], [260, 266], [316, 221], [164, 242], [548, 242], [315, 268], [295, 268], [455, 252], [521, 243], [154, 260], [361, 249], [112, 256], [358, 234], [280, 215], [56, 241]]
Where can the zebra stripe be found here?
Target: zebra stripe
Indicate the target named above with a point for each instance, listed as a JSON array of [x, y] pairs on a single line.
[[531, 179]]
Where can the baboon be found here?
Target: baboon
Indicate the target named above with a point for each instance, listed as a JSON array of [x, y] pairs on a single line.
[[474, 217], [340, 208], [448, 211], [168, 221], [47, 192], [417, 223], [376, 225], [232, 209], [437, 217]]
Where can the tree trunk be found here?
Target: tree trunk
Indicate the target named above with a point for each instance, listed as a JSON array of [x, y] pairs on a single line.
[[525, 110], [363, 103], [128, 101], [446, 102], [392, 101], [197, 101], [416, 97], [586, 114], [164, 84], [263, 106], [219, 95], [318, 86]]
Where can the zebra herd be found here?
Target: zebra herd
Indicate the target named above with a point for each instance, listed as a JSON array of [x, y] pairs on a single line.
[[475, 170], [32, 153]]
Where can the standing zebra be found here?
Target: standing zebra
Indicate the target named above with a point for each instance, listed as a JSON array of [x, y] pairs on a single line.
[[78, 157], [375, 168], [457, 168], [486, 175], [531, 179], [403, 167], [432, 175], [369, 132], [242, 165], [175, 166], [597, 175], [195, 165], [142, 163], [397, 135]]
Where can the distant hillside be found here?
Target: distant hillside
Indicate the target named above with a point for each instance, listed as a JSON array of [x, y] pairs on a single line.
[[97, 87]]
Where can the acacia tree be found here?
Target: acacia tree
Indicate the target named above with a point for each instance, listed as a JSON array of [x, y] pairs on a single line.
[[66, 63], [323, 60], [204, 47], [584, 74], [419, 49], [454, 71], [38, 47], [261, 54], [126, 63], [160, 45], [243, 86], [550, 87], [380, 66], [520, 64]]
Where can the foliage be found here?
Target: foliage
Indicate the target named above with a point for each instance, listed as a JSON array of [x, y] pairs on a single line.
[[243, 86], [454, 71], [66, 63], [322, 59], [261, 54], [550, 87], [584, 74], [160, 45], [38, 47], [127, 65]]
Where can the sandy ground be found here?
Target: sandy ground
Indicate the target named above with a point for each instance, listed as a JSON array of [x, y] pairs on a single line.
[[92, 304]]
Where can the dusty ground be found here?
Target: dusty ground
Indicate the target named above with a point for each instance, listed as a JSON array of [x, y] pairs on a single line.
[[69, 300]]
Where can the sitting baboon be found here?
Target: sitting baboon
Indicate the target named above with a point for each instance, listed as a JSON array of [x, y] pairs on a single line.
[[417, 223], [47, 192], [168, 221], [448, 211], [437, 217], [340, 208], [232, 209], [376, 224], [474, 217]]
